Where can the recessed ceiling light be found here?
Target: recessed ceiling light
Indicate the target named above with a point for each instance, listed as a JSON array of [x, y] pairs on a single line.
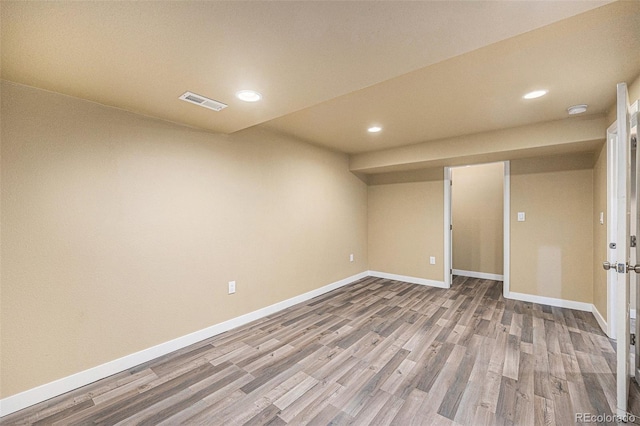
[[577, 109], [374, 129], [249, 95], [535, 94]]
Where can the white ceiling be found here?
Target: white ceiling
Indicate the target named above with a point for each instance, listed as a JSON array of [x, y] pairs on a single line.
[[327, 70]]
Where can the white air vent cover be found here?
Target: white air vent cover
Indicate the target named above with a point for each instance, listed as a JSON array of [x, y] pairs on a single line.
[[202, 101]]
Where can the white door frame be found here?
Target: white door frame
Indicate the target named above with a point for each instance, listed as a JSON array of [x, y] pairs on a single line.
[[448, 256], [506, 272], [448, 243]]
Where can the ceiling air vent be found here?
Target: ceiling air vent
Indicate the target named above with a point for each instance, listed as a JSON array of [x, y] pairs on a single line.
[[202, 101]]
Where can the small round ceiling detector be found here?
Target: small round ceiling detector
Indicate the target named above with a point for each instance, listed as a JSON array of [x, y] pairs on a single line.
[[577, 109]]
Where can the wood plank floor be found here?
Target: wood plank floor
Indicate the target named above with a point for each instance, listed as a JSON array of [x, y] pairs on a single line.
[[373, 352]]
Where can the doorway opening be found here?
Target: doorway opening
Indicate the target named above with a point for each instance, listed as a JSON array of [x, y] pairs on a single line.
[[477, 222]]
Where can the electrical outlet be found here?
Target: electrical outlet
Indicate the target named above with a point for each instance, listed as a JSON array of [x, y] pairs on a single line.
[[521, 217], [351, 257], [432, 260], [232, 287]]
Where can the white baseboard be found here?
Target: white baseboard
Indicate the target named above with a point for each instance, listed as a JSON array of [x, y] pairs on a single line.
[[58, 387], [551, 301], [481, 275], [405, 278], [601, 321]]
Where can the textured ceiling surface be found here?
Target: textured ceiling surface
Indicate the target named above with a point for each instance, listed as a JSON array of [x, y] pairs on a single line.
[[328, 70]]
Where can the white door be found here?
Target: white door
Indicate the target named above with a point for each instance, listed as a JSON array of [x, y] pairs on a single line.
[[622, 248], [635, 220]]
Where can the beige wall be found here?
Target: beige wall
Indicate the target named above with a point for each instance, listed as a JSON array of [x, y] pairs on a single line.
[[634, 90], [600, 232], [120, 232], [550, 251], [477, 216], [406, 227], [634, 95]]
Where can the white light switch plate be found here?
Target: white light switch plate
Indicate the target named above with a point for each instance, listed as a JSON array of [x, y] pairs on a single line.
[[521, 216], [232, 287], [432, 260]]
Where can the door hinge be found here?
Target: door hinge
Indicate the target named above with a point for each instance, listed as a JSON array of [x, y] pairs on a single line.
[[632, 338], [450, 227], [633, 241]]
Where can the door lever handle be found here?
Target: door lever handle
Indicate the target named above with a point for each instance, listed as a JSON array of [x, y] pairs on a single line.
[[635, 268]]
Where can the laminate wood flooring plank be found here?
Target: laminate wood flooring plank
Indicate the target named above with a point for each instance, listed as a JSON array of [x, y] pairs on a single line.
[[409, 410], [606, 378], [65, 413], [257, 352], [512, 357], [372, 386], [210, 414], [312, 404], [167, 408], [394, 381], [373, 406], [484, 416], [544, 411], [595, 392], [491, 391], [254, 401], [473, 392], [428, 372], [451, 400], [268, 358], [265, 374], [505, 408], [215, 401], [264, 417], [388, 412], [563, 408], [170, 364], [127, 408], [295, 393], [541, 360], [325, 416], [370, 343], [78, 417], [373, 352], [524, 408], [143, 378]]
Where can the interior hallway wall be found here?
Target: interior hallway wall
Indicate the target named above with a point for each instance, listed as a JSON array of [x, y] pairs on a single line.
[[600, 232], [548, 249], [477, 217], [406, 226]]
